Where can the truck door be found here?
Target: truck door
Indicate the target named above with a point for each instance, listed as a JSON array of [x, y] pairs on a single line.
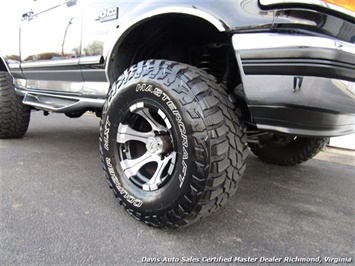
[[51, 46]]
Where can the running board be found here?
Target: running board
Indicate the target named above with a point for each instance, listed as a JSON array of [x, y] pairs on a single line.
[[61, 103]]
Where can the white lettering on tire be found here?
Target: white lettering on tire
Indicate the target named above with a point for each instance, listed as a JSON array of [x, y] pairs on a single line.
[[136, 202], [106, 133]]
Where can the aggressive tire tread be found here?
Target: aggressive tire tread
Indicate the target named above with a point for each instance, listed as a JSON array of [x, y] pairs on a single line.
[[224, 157], [302, 150], [14, 116]]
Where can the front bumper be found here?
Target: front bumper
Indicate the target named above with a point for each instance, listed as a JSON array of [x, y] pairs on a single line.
[[297, 84]]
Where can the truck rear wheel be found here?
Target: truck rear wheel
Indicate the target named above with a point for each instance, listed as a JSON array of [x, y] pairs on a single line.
[[14, 116], [172, 146], [287, 150]]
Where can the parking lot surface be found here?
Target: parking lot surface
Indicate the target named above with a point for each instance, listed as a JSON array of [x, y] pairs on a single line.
[[57, 209]]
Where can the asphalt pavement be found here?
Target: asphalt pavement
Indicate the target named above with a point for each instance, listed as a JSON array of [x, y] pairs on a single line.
[[57, 209]]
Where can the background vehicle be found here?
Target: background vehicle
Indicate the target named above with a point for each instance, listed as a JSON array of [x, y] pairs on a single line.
[[182, 87]]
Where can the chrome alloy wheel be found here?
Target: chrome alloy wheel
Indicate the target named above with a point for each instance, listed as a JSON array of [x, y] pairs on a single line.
[[146, 147]]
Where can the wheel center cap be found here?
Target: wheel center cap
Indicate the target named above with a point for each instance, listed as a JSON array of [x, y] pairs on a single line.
[[154, 145]]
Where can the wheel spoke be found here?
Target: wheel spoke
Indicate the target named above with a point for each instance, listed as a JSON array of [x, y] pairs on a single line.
[[153, 123], [132, 166], [126, 133], [150, 169], [157, 177]]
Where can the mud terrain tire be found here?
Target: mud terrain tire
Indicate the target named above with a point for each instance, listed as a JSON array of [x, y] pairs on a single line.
[[172, 145], [287, 150], [14, 116]]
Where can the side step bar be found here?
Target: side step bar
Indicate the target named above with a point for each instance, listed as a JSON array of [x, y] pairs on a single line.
[[61, 103]]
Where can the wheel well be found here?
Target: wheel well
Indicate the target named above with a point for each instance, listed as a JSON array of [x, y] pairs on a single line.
[[183, 38]]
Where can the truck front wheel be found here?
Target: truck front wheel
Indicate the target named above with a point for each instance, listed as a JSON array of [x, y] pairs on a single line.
[[172, 146]]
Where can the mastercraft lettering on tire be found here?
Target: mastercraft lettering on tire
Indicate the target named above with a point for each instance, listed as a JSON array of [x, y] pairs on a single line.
[[183, 88]]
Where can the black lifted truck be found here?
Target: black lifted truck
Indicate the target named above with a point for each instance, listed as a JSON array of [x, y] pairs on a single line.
[[183, 88]]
